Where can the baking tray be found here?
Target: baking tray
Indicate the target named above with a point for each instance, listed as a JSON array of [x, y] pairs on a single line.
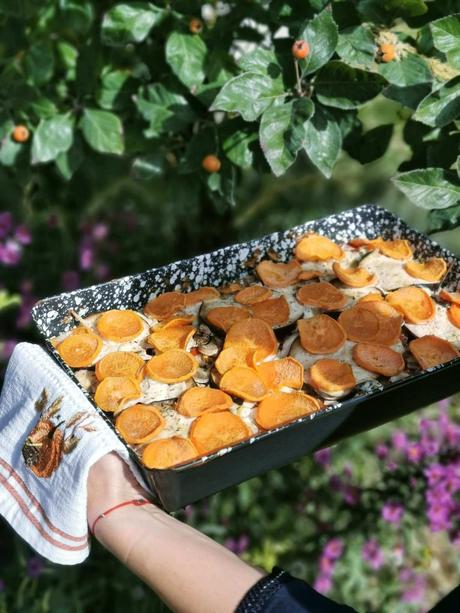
[[369, 407]]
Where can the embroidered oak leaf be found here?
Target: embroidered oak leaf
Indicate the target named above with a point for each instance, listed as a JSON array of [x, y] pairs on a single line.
[[42, 401]]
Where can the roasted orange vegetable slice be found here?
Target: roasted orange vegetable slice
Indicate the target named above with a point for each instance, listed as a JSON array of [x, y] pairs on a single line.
[[398, 249], [201, 294], [165, 305], [139, 423], [414, 303], [254, 334], [323, 295], [213, 431], [453, 297], [379, 359], [321, 334], [120, 364], [252, 294], [317, 248], [119, 326], [230, 288], [172, 366], [330, 376], [360, 325], [308, 275], [431, 351], [390, 322], [113, 392], [184, 320], [243, 382], [80, 349], [172, 337], [224, 317], [354, 277], [454, 315], [359, 242], [198, 400], [168, 452], [277, 274], [274, 311], [285, 372], [280, 408], [235, 355], [371, 297], [432, 270]]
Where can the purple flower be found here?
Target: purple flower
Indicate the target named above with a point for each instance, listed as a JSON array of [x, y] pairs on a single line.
[[351, 494], [391, 466], [243, 543], [399, 440], [414, 452], [335, 483], [392, 512], [70, 280], [326, 565], [86, 258], [188, 511], [100, 231], [22, 235], [10, 252], [6, 223], [438, 514], [25, 310], [429, 446], [415, 586], [434, 473], [444, 404], [34, 567], [381, 451], [333, 549], [8, 348], [102, 271], [237, 545], [323, 457], [323, 584], [373, 554]]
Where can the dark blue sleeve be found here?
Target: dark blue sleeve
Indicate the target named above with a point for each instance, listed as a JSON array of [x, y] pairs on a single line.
[[280, 592]]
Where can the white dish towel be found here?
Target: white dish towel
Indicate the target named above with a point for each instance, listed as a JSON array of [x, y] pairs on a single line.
[[50, 435]]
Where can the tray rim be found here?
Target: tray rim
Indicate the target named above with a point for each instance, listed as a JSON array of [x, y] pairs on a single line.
[[337, 407]]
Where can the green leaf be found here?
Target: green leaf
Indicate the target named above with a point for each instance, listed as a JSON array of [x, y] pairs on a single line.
[[76, 15], [409, 70], [430, 188], [40, 63], [408, 96], [458, 165], [440, 220], [8, 300], [322, 36], [201, 144], [356, 46], [371, 145], [282, 133], [410, 8], [323, 141], [441, 106], [116, 89], [262, 61], [103, 131], [164, 108], [248, 94], [130, 23], [9, 149], [69, 161], [186, 54], [149, 166], [52, 137], [239, 147], [446, 33], [344, 87]]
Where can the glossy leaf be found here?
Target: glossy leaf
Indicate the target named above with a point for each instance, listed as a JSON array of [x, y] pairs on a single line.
[[446, 33], [262, 61], [103, 131], [69, 161], [164, 108], [341, 86], [407, 71], [371, 145], [321, 35], [441, 106], [239, 147], [129, 23], [52, 137], [149, 166], [357, 47], [430, 188], [186, 55], [440, 220], [323, 141]]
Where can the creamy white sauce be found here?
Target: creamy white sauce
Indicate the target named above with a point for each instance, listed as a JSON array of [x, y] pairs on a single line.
[[390, 272]]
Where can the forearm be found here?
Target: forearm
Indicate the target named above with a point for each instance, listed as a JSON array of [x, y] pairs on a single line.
[[188, 570]]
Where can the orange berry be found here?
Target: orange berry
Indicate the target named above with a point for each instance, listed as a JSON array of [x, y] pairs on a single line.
[[300, 49], [20, 134], [387, 52], [211, 163], [195, 25]]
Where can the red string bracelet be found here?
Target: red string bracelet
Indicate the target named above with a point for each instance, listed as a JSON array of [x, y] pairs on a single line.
[[137, 502]]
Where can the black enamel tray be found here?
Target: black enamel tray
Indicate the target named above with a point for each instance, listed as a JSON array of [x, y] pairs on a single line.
[[177, 487]]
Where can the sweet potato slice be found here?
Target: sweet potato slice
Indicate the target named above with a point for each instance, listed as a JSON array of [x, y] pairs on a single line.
[[172, 337], [183, 320], [285, 372], [308, 275], [277, 274], [230, 288], [398, 249], [201, 294], [431, 351], [243, 382], [224, 317], [254, 334], [172, 366], [317, 248], [165, 305], [321, 334], [379, 359], [332, 376], [274, 311], [359, 242], [198, 400], [168, 452], [213, 431], [323, 295], [454, 315], [120, 364], [80, 349], [414, 303], [354, 277], [252, 294], [140, 423], [431, 270], [120, 326], [453, 297], [113, 392], [280, 408], [235, 355], [371, 297], [390, 321]]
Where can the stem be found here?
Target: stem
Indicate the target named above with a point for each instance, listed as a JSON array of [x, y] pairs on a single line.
[[297, 74]]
